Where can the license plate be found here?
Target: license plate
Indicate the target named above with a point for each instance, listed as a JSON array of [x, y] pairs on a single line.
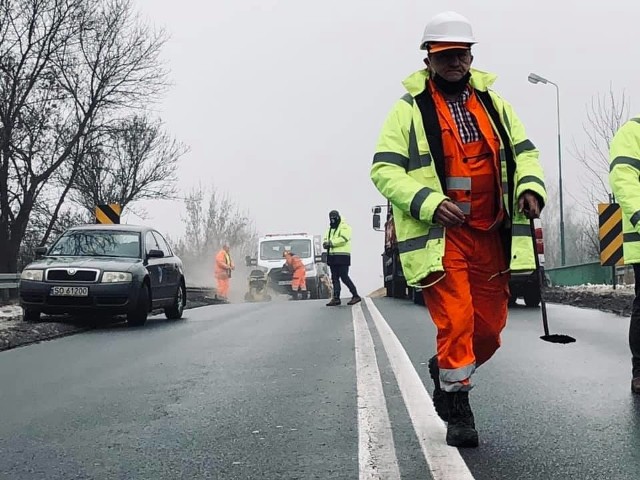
[[284, 282], [69, 291]]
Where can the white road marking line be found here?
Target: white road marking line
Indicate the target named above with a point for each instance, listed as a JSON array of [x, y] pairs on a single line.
[[444, 462], [376, 449]]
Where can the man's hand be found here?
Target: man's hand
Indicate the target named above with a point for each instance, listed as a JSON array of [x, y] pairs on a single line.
[[448, 214], [327, 245], [528, 203]]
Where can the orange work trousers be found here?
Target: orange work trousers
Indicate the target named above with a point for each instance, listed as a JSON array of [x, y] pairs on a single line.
[[223, 287], [299, 280], [469, 305]]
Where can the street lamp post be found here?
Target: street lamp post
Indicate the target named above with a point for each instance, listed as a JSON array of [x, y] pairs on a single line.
[[533, 78]]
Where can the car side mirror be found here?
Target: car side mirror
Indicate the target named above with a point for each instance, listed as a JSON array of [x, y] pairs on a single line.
[[324, 257], [155, 253], [41, 252]]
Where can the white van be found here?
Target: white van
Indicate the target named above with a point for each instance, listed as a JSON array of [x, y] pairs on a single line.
[[270, 261]]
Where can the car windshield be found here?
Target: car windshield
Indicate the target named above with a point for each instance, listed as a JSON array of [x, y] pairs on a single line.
[[273, 249], [97, 243]]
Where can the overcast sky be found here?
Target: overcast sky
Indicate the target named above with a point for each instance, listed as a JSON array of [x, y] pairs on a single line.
[[294, 92]]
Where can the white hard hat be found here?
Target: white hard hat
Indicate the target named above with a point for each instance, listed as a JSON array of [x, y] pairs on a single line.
[[447, 27]]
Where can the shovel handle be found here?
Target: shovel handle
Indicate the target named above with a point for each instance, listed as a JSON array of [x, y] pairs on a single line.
[[540, 274]]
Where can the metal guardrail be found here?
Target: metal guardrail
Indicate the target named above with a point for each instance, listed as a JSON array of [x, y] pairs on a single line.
[[9, 280], [12, 280]]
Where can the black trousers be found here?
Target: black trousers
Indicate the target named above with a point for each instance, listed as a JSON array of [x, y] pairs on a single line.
[[341, 272], [634, 326]]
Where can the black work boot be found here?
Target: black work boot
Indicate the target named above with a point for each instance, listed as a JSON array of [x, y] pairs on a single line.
[[334, 302], [439, 397], [354, 300], [461, 429]]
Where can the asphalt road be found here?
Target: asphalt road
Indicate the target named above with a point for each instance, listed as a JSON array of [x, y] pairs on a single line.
[[294, 390]]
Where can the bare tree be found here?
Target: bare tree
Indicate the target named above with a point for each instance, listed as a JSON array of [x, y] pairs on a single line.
[[605, 115], [213, 219], [579, 243], [135, 161], [66, 67]]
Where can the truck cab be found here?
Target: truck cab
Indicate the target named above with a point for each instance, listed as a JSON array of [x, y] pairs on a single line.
[[521, 285], [394, 281], [270, 261]]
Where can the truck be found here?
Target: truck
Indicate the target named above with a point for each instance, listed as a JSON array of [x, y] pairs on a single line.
[[521, 285], [268, 263]]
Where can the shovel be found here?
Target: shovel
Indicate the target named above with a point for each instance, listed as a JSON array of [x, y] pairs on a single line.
[[555, 338]]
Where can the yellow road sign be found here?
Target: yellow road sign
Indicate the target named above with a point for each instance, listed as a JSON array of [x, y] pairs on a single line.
[[108, 213], [610, 232]]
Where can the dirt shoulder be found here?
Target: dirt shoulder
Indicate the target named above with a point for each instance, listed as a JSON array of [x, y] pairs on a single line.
[[597, 297], [14, 332]]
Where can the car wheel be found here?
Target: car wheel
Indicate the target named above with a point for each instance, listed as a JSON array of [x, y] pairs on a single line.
[[418, 297], [30, 315], [138, 316], [325, 289], [175, 311], [532, 299], [315, 290]]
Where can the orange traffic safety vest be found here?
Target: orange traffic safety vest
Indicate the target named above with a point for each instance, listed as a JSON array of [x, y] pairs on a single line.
[[472, 170]]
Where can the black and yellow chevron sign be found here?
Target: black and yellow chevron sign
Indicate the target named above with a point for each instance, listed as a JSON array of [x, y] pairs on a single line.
[[610, 234], [108, 213]]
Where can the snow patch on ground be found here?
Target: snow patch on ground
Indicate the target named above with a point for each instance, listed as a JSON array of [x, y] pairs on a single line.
[[9, 314], [600, 288]]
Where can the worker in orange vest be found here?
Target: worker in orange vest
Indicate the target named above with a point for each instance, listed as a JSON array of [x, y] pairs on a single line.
[[299, 281], [224, 266], [465, 181]]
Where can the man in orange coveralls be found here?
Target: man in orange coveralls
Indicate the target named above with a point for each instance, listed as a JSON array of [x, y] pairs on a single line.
[[224, 266], [464, 181], [299, 281]]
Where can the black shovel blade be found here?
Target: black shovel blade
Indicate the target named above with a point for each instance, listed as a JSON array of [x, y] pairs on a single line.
[[556, 338]]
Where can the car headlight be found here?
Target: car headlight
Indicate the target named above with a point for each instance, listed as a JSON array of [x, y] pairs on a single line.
[[311, 267], [116, 277], [33, 275]]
